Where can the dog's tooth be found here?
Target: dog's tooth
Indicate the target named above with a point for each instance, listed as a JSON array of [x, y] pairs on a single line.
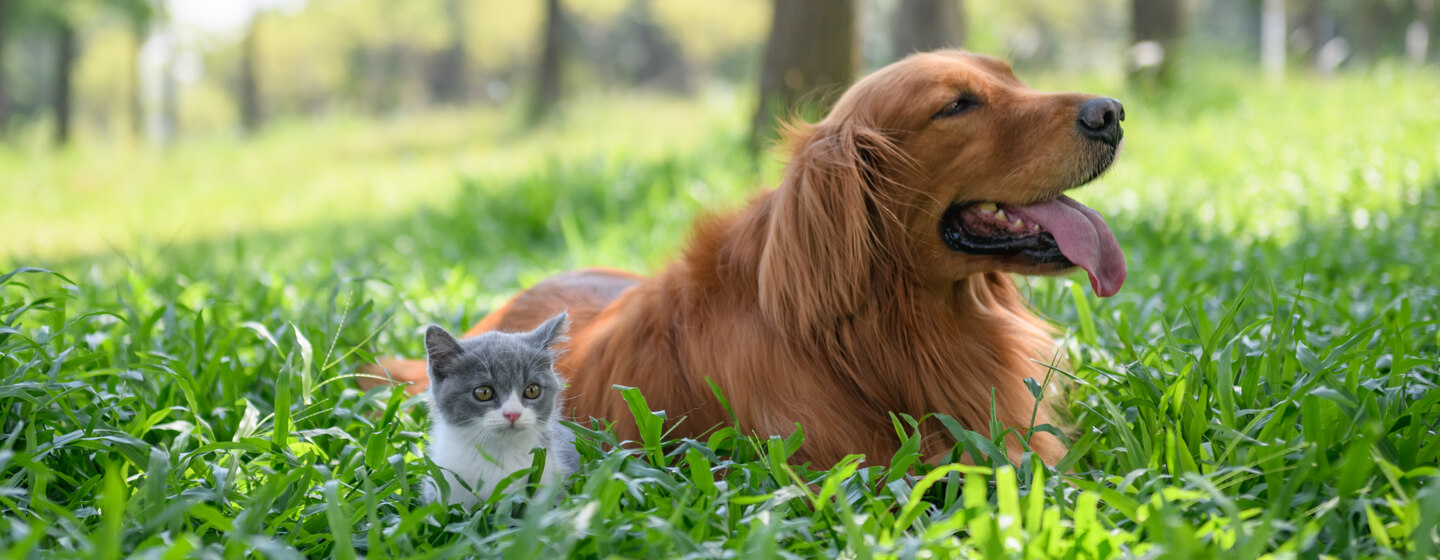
[[1001, 215], [1034, 227], [1019, 223], [987, 206]]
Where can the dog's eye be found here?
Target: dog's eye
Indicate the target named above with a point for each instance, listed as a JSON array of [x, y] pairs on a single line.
[[484, 393], [962, 104], [532, 391]]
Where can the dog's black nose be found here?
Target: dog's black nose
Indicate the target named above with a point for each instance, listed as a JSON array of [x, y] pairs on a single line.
[[1100, 120]]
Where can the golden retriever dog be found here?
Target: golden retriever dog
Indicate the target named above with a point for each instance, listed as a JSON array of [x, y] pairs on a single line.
[[875, 279]]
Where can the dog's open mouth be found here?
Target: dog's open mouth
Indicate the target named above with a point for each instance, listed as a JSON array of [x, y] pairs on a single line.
[[1061, 232]]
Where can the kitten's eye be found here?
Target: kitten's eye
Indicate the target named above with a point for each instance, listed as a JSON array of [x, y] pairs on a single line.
[[484, 393], [532, 391]]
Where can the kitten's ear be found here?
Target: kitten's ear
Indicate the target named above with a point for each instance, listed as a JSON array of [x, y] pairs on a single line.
[[440, 346], [549, 332]]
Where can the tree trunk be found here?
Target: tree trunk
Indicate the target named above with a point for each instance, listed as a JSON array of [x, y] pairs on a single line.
[[1417, 34], [547, 82], [1272, 39], [811, 56], [64, 65], [924, 25], [1156, 28], [659, 60], [137, 107], [384, 62], [1320, 29], [1433, 29], [4, 89], [250, 117], [169, 92], [447, 79], [1371, 22]]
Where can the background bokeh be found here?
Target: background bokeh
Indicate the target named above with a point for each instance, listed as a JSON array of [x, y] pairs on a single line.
[[123, 120]]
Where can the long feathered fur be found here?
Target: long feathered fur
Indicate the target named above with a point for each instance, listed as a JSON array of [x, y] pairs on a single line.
[[806, 306]]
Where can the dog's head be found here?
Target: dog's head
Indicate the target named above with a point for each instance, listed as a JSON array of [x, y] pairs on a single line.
[[947, 166]]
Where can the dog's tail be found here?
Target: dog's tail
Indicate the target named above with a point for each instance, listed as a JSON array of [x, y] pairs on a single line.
[[395, 371]]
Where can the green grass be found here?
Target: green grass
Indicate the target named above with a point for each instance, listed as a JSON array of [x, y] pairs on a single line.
[[1265, 384]]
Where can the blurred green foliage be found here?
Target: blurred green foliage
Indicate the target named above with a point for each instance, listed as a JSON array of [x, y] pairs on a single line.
[[327, 57], [1357, 145], [318, 59]]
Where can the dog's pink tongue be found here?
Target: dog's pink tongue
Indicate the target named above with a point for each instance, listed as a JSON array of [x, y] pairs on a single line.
[[1084, 238]]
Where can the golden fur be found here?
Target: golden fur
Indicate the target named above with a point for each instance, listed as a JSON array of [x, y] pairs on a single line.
[[831, 301]]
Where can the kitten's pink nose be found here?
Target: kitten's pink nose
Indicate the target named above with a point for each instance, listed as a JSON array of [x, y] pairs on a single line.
[[512, 416]]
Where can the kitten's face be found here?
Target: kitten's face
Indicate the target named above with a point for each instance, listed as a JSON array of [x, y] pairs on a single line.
[[502, 383]]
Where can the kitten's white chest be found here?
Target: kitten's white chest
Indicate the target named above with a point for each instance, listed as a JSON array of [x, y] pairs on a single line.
[[459, 453]]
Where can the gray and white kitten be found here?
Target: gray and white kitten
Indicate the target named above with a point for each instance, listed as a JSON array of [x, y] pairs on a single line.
[[493, 398]]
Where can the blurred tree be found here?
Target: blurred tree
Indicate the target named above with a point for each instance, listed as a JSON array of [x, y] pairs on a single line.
[[64, 68], [924, 25], [501, 33], [1419, 35], [4, 89], [598, 12], [547, 72], [1368, 21], [601, 36], [386, 62], [648, 55], [1334, 32], [102, 78], [250, 115], [1320, 38], [307, 61], [447, 74], [55, 18], [138, 14], [388, 45], [1393, 28], [1156, 29], [812, 55], [1272, 39], [709, 30], [719, 37], [169, 113], [139, 30]]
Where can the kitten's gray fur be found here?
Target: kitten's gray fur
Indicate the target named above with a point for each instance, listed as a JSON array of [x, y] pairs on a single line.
[[472, 439]]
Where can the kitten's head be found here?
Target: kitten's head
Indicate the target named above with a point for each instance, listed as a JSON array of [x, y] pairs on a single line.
[[497, 381]]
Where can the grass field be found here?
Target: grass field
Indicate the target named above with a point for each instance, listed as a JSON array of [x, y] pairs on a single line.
[[177, 385]]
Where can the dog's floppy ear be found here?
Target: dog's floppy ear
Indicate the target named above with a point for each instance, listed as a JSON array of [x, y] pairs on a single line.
[[825, 224]]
